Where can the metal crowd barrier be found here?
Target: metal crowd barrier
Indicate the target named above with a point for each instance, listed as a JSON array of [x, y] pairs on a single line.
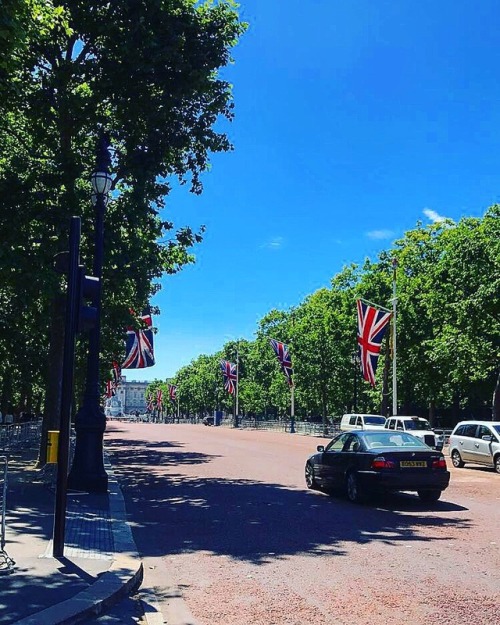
[[6, 563], [17, 435]]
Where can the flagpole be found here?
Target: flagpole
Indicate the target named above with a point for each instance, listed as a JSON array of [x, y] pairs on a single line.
[[394, 368], [292, 409], [237, 379], [178, 407]]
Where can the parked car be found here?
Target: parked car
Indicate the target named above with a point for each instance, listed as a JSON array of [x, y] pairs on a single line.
[[208, 421], [477, 442], [366, 461], [419, 427], [351, 422]]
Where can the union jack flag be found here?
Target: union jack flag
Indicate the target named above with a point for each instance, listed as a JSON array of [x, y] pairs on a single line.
[[172, 392], [139, 346], [110, 389], [281, 350], [117, 373], [372, 325], [149, 404], [159, 397], [230, 376]]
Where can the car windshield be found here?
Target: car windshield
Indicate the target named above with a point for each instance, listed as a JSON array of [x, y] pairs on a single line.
[[497, 429], [392, 439], [374, 420], [417, 424]]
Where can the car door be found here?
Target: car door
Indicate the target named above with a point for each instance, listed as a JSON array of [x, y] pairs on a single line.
[[331, 461], [466, 442], [481, 450]]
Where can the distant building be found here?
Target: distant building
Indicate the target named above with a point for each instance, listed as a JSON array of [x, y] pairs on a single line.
[[130, 396]]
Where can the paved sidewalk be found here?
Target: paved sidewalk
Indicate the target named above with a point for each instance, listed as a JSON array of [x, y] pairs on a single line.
[[100, 566]]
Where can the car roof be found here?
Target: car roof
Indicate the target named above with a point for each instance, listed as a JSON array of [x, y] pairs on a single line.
[[362, 414], [474, 422]]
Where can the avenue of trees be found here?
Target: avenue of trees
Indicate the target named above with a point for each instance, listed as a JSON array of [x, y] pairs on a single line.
[[146, 72], [448, 337]]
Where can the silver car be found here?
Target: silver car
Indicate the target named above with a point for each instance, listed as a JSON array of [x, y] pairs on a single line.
[[477, 442]]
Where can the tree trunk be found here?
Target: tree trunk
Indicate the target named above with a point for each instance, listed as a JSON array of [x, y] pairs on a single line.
[[324, 409], [432, 412], [495, 407]]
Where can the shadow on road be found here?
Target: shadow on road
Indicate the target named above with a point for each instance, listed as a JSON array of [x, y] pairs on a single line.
[[259, 522]]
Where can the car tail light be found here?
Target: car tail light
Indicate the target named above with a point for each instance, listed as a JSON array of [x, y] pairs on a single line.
[[381, 463], [440, 463]]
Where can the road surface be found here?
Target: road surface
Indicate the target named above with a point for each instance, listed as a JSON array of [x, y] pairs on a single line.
[[226, 516]]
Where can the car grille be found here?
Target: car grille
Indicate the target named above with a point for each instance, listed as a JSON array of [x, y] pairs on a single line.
[[429, 440]]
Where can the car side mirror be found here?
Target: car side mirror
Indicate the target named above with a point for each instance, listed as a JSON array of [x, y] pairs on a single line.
[[487, 437], [320, 448]]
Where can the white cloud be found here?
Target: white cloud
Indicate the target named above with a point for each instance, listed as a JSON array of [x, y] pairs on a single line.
[[380, 234], [433, 216], [274, 244]]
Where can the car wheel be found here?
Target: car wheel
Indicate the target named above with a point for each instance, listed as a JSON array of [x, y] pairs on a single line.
[[456, 459], [354, 492], [310, 478], [497, 463], [429, 496]]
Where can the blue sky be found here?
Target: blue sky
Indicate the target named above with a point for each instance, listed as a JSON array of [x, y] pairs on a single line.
[[354, 120]]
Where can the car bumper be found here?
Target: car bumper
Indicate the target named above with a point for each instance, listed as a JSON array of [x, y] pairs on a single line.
[[399, 481]]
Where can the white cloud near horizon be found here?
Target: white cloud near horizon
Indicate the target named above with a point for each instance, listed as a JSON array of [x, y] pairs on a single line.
[[433, 215], [379, 234]]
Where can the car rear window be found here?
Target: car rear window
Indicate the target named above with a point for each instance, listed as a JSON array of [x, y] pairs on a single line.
[[392, 439], [417, 424], [374, 420]]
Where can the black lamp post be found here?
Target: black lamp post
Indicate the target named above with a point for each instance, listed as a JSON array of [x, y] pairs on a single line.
[[87, 471]]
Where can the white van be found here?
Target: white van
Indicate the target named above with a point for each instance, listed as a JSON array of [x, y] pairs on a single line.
[[419, 427], [362, 422]]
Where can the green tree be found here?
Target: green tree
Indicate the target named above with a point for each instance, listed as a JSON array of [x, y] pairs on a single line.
[[147, 72]]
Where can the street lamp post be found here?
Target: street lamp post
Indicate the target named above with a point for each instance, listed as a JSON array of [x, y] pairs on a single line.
[[237, 404], [355, 362], [87, 471]]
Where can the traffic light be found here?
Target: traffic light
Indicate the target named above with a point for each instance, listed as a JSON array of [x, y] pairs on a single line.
[[88, 290]]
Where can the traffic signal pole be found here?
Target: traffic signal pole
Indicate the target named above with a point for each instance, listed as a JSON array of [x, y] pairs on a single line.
[[70, 329]]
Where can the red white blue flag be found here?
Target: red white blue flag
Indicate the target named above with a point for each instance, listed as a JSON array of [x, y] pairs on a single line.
[[110, 389], [172, 392], [372, 325], [229, 372], [159, 398], [139, 346], [283, 353], [117, 373]]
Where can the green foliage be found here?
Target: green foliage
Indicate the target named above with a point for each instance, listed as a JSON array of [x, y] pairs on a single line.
[[149, 74], [448, 331]]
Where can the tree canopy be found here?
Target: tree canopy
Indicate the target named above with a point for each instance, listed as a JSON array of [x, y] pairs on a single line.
[[148, 73], [448, 335]]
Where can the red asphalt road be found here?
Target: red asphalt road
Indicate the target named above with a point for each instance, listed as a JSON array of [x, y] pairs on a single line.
[[225, 513]]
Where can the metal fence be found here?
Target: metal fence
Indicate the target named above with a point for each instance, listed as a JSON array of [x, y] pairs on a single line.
[[6, 563], [300, 427], [19, 434]]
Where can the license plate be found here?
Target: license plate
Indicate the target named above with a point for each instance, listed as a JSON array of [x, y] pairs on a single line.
[[413, 463]]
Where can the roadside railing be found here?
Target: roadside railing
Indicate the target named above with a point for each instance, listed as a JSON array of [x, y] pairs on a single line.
[[6, 563], [19, 434], [300, 427]]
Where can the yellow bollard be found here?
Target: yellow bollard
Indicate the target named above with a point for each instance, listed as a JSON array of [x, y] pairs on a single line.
[[52, 446]]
